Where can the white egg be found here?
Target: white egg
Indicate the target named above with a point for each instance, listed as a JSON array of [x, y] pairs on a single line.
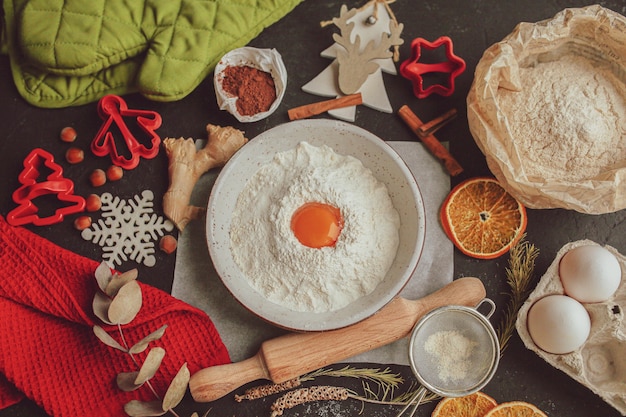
[[590, 273], [558, 324]]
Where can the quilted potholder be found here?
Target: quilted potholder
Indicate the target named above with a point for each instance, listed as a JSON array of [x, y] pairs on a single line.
[[71, 52]]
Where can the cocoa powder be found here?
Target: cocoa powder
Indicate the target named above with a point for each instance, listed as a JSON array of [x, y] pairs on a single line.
[[254, 89]]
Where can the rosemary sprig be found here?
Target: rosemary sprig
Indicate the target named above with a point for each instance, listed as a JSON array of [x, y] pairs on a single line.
[[383, 377], [385, 381], [519, 274]]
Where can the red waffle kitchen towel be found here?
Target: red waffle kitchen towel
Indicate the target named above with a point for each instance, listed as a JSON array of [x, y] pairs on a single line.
[[48, 351]]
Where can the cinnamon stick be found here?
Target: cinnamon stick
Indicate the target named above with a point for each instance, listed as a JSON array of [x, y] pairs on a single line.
[[430, 141], [323, 106], [437, 123]]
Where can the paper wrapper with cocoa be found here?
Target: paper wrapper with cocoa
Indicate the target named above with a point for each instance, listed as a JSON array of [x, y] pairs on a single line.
[[593, 32], [267, 60]]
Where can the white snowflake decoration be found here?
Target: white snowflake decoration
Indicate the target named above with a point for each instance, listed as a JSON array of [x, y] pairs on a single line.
[[128, 229]]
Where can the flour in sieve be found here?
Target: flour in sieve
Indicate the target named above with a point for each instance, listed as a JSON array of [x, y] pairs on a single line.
[[306, 279], [569, 120], [452, 352]]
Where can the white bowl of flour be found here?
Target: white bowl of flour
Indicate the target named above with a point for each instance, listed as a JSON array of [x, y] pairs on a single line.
[[301, 288]]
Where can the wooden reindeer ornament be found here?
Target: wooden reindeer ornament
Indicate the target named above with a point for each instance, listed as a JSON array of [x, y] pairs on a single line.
[[355, 65], [366, 46]]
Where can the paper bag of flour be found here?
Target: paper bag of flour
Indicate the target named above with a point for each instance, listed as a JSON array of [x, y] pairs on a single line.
[[548, 109]]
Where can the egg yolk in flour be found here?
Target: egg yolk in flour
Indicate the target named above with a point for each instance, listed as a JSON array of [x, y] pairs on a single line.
[[317, 224]]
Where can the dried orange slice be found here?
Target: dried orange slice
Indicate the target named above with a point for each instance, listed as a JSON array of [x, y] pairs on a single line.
[[515, 409], [473, 405], [482, 218]]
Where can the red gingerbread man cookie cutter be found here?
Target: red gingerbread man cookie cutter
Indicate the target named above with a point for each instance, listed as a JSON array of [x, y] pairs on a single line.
[[415, 70], [113, 110]]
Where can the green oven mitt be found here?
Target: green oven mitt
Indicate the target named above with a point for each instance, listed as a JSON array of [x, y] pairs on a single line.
[[71, 52]]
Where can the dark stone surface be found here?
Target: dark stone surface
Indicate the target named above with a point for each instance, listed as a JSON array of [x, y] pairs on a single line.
[[473, 26]]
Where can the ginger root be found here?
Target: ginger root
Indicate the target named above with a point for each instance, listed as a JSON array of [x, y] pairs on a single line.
[[186, 165]]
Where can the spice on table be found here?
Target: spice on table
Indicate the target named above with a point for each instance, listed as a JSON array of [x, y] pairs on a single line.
[[323, 106], [82, 222], [187, 164], [114, 173], [255, 89], [437, 123], [168, 244], [430, 141], [93, 202], [97, 177], [74, 155], [68, 134]]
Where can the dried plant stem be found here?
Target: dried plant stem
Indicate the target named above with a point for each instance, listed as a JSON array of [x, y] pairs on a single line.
[[118, 302], [519, 274], [402, 399], [304, 395], [134, 359], [384, 377], [331, 393], [267, 389], [138, 365]]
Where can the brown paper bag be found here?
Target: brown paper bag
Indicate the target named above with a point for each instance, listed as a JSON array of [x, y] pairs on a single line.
[[592, 33]]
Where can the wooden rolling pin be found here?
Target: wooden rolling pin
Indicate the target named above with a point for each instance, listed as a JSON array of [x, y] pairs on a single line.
[[295, 354]]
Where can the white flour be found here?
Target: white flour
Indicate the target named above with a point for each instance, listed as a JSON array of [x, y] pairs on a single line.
[[302, 278], [452, 352], [569, 120]]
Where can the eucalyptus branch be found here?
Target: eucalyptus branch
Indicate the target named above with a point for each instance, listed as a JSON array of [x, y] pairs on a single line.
[[117, 303], [135, 361]]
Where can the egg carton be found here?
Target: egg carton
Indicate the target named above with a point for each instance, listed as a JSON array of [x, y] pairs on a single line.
[[600, 363]]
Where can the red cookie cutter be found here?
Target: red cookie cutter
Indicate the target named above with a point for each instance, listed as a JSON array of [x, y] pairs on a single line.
[[414, 70], [54, 184], [113, 109]]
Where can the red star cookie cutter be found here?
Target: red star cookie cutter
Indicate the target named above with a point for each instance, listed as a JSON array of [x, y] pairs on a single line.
[[113, 110], [415, 70], [54, 184]]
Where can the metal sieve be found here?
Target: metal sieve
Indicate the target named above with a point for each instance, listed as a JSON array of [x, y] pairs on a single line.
[[454, 351]]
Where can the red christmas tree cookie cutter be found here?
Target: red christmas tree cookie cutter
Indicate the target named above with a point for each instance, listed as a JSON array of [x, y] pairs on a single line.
[[54, 184], [113, 109], [415, 70]]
